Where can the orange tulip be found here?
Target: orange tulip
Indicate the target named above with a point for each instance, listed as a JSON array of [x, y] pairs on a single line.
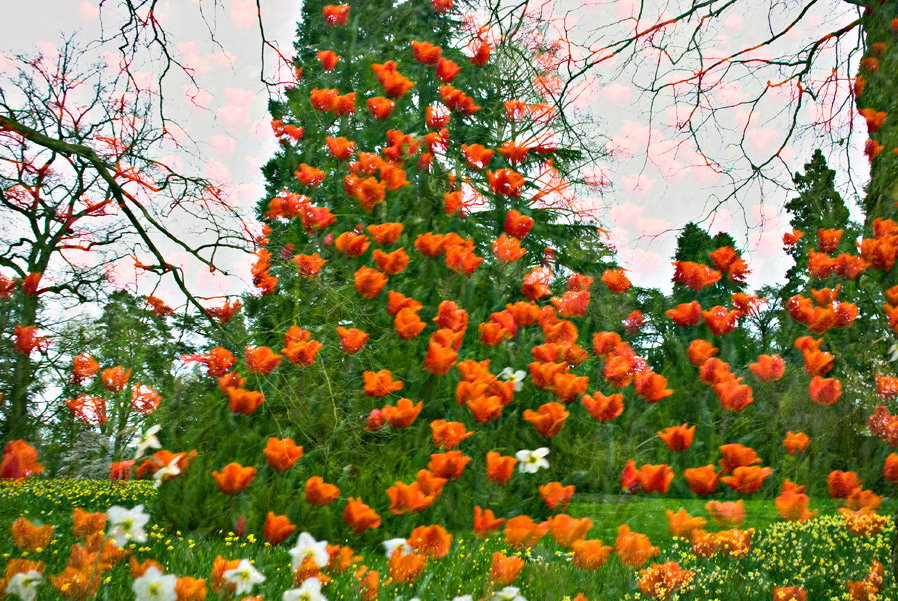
[[309, 176], [408, 324], [282, 454], [88, 409], [506, 182], [405, 568], [633, 549], [485, 408], [319, 492], [616, 280], [381, 383], [720, 321], [768, 368], [796, 443], [824, 391], [448, 435], [369, 282], [590, 554], [651, 386], [522, 532], [439, 359], [188, 588], [678, 438], [737, 455], [115, 378], [603, 408], [514, 153], [508, 250], [340, 148], [499, 468], [408, 498], [449, 465], [391, 263], [792, 503], [555, 495], [385, 234], [336, 15], [485, 523], [655, 478], [446, 72], [842, 484], [747, 480], [329, 59], [19, 461], [278, 528], [30, 537], [84, 367], [302, 352], [548, 420], [351, 340], [234, 478], [686, 314], [733, 395], [504, 570], [261, 360], [243, 401], [890, 468], [726, 514], [431, 541], [85, 524], [352, 244], [359, 516], [567, 530], [682, 524], [702, 480], [694, 275], [700, 351], [517, 225], [403, 414]]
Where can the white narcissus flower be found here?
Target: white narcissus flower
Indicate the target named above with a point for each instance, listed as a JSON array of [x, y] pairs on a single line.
[[24, 584], [308, 546], [509, 593], [392, 544], [244, 577], [169, 471], [510, 375], [149, 440], [309, 590], [463, 598], [126, 525], [529, 462], [153, 586]]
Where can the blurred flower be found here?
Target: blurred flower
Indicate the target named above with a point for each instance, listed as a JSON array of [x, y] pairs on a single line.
[[510, 375], [244, 576], [307, 546], [148, 440], [531, 461], [153, 586], [126, 525]]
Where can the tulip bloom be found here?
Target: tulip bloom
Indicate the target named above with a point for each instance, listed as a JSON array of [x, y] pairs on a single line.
[[385, 234], [548, 420], [369, 282], [682, 524], [747, 480], [728, 514], [700, 351], [485, 522], [686, 314], [381, 383], [702, 480], [351, 340], [522, 532], [278, 528], [678, 438], [603, 408], [633, 549], [448, 435], [555, 495], [282, 454], [336, 15], [261, 360], [504, 570], [115, 378], [319, 492], [360, 517], [768, 368], [499, 467], [234, 478], [796, 443]]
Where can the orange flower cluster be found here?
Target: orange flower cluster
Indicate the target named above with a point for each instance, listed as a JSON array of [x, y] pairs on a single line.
[[661, 581], [218, 361], [262, 278], [330, 101], [300, 349], [84, 569], [633, 549], [728, 261], [792, 503], [827, 314], [234, 478], [694, 275], [19, 461], [453, 98], [720, 321], [731, 392], [88, 409], [732, 543], [648, 478], [241, 400]]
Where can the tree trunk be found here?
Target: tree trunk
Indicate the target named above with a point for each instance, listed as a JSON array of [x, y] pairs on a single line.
[[19, 425]]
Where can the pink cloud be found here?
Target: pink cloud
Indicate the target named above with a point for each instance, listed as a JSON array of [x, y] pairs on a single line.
[[626, 215], [617, 94], [763, 139], [88, 11], [222, 60], [197, 98], [244, 14], [637, 184], [646, 268], [233, 117], [721, 221], [653, 226], [223, 145], [192, 59], [217, 172]]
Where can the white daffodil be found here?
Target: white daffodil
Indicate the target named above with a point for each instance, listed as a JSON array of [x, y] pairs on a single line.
[[509, 593], [391, 545], [308, 546], [148, 440], [529, 462], [169, 471], [24, 584], [244, 577], [510, 375], [126, 525], [463, 598], [893, 352], [309, 590], [154, 586]]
